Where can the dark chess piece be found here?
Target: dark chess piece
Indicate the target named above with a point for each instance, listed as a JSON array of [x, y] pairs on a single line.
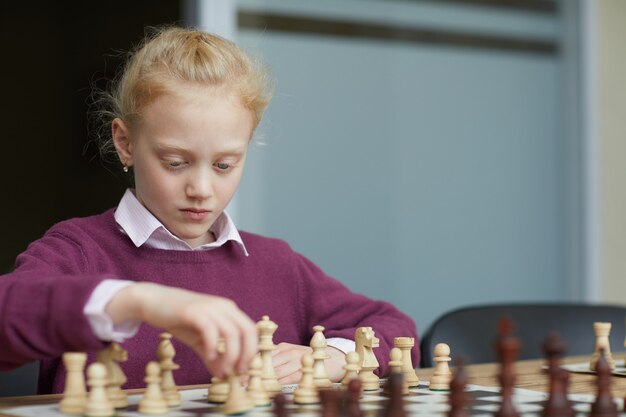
[[353, 395], [458, 398], [395, 406], [603, 406], [507, 347], [280, 405], [331, 404], [557, 405]]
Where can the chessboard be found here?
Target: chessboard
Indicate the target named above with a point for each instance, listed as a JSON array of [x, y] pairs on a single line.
[[420, 402], [583, 368]]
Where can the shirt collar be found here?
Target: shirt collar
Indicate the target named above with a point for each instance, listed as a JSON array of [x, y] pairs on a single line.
[[143, 228]]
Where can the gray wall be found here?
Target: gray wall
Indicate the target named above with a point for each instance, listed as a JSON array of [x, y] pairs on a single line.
[[432, 176]]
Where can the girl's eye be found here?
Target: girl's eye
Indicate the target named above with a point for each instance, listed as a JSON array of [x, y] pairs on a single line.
[[174, 164], [222, 165]]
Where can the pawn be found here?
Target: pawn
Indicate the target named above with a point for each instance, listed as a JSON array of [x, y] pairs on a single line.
[[351, 367], [396, 366], [318, 344], [395, 408], [458, 398], [153, 401], [98, 403], [165, 354], [238, 401], [75, 392], [604, 406], [256, 390], [306, 393], [353, 395], [218, 391], [440, 381], [280, 405]]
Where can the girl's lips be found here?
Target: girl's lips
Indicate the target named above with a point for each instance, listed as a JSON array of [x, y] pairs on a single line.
[[195, 214]]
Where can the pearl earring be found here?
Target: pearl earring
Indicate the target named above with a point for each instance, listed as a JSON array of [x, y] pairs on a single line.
[[125, 169]]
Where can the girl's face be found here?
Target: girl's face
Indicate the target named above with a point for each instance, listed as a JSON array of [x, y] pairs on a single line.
[[188, 154]]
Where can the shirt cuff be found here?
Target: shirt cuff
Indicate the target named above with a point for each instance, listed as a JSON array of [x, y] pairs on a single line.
[[100, 322], [344, 345]]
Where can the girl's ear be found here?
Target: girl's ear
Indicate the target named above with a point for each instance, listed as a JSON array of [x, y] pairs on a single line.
[[121, 139]]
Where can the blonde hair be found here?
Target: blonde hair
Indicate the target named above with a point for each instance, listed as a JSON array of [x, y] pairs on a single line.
[[171, 56]]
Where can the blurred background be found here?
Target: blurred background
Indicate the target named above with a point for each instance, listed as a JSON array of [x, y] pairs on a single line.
[[433, 154]]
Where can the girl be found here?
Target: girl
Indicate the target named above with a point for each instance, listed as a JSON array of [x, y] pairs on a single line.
[[181, 117]]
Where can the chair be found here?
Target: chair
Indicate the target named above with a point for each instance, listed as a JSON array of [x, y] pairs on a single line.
[[20, 381], [471, 331]]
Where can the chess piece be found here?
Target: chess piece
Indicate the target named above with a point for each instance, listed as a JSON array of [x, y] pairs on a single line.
[[366, 341], [395, 407], [396, 365], [75, 392], [266, 329], [507, 348], [406, 344], [306, 393], [331, 405], [353, 395], [165, 354], [280, 405], [602, 331], [110, 357], [440, 381], [351, 367], [458, 398], [557, 405], [603, 406], [256, 390], [218, 390], [318, 344], [238, 401], [98, 403], [153, 401]]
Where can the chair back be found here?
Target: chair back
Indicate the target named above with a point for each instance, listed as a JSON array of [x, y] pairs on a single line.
[[471, 331]]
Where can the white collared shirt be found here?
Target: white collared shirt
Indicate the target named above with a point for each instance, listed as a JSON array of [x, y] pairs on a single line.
[[143, 228]]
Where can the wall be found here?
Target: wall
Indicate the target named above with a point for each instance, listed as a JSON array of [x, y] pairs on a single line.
[[431, 174], [610, 79]]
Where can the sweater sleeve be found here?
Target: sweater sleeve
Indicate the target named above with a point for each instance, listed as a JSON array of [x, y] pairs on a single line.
[[326, 301], [42, 300]]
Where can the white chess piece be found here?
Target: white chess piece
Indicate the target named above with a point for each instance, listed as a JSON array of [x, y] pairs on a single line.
[[306, 393], [602, 331], [266, 329], [396, 365], [319, 344], [75, 392], [366, 341], [406, 344], [440, 381], [256, 390], [153, 401], [238, 401], [351, 367], [110, 357], [165, 354], [98, 403]]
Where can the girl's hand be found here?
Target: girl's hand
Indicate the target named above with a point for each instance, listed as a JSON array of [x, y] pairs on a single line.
[[196, 319], [287, 361]]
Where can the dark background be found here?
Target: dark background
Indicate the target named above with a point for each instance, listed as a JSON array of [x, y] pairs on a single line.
[[51, 56]]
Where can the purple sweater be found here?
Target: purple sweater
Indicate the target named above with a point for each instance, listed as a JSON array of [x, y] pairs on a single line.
[[41, 302]]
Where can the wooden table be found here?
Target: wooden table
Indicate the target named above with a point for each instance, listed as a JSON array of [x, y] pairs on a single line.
[[529, 375]]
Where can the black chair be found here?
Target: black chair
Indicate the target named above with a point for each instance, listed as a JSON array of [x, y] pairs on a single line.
[[471, 331], [20, 381]]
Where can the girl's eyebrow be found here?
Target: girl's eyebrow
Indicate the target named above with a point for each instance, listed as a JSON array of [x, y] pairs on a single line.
[[235, 151]]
